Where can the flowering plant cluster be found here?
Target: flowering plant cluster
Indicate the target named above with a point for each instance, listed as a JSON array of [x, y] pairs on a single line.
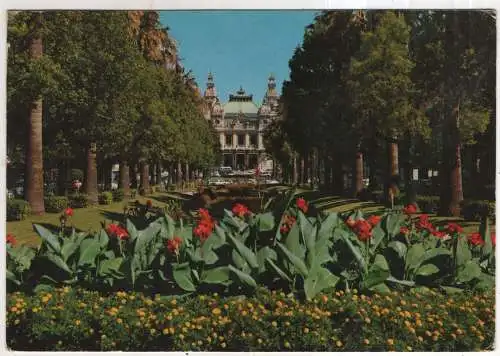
[[205, 225], [363, 228], [117, 231], [76, 320], [173, 245], [241, 210]]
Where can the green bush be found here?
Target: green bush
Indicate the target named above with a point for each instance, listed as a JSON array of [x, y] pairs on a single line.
[[105, 198], [55, 204], [78, 200], [17, 209], [475, 210], [419, 320], [118, 194], [428, 203], [77, 174]]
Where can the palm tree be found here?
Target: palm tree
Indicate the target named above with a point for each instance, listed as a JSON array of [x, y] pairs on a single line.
[[34, 158]]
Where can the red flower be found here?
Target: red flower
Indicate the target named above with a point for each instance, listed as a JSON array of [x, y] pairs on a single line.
[[284, 228], [476, 239], [410, 209], [174, 245], [404, 230], [493, 238], [117, 231], [204, 229], [439, 234], [454, 228], [302, 205], [240, 210], [204, 214], [68, 212], [350, 222], [149, 204], [11, 240], [374, 220], [423, 223], [363, 230]]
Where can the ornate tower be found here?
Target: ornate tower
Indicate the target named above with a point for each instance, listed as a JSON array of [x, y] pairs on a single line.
[[210, 96], [271, 93]]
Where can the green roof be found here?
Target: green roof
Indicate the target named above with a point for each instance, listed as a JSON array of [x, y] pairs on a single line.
[[245, 107]]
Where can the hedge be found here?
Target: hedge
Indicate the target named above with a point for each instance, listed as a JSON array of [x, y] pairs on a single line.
[[78, 200], [475, 210], [418, 320], [118, 194], [55, 204], [105, 198], [17, 209]]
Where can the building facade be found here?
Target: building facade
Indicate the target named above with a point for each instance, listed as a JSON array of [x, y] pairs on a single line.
[[240, 125]]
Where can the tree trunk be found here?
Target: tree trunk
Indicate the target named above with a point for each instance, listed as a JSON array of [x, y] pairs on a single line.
[[457, 194], [295, 173], [125, 177], [34, 155], [145, 189], [358, 174], [62, 184], [91, 177], [392, 188], [186, 175], [133, 176], [179, 173], [158, 173]]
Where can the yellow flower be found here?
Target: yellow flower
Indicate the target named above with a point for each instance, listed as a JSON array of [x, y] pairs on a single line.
[[209, 339], [366, 342], [173, 302], [77, 322], [418, 322], [149, 302], [420, 338], [172, 330], [306, 330], [287, 344], [131, 297], [409, 348], [200, 342], [390, 342], [223, 345], [13, 309], [152, 331], [481, 338], [339, 343], [181, 336], [368, 320], [216, 311], [45, 299], [119, 321], [275, 324], [435, 338], [165, 331]]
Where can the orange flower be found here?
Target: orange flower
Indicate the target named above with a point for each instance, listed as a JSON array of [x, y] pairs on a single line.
[[174, 244]]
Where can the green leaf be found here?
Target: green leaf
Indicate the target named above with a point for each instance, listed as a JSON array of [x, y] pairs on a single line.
[[103, 238], [182, 276], [265, 221], [294, 260], [468, 272], [451, 290], [57, 260], [111, 267], [326, 228], [89, 249], [68, 249], [378, 235], [12, 277], [427, 270], [318, 280], [132, 231], [414, 257], [49, 238], [392, 224], [356, 253], [245, 252], [464, 254], [292, 242], [263, 254], [402, 282], [243, 277], [278, 270], [378, 272], [399, 248], [145, 237], [380, 288], [218, 275]]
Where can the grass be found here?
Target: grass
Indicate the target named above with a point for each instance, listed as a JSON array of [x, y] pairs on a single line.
[[90, 219]]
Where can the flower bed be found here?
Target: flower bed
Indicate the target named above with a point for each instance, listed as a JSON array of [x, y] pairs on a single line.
[[419, 320]]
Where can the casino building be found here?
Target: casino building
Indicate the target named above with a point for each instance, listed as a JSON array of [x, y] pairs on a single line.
[[240, 124]]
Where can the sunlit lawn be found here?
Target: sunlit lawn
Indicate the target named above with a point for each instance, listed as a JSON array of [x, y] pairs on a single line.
[[90, 219]]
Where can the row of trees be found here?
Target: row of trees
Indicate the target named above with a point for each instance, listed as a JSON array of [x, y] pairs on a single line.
[[100, 87], [375, 88]]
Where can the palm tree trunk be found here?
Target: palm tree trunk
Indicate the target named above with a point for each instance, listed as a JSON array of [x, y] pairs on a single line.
[[34, 154], [91, 179], [358, 173], [145, 189], [125, 177]]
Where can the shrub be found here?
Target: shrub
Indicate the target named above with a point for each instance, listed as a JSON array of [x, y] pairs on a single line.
[[77, 320], [105, 198], [475, 210], [428, 203], [78, 200], [118, 194], [17, 209], [77, 174], [133, 193], [55, 204]]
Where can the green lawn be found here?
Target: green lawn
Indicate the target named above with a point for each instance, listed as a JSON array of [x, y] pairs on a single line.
[[85, 219], [90, 219]]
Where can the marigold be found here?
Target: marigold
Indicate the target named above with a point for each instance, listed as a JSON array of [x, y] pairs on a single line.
[[216, 311]]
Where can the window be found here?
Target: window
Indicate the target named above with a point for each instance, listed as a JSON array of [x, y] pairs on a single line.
[[253, 140], [229, 140], [241, 140]]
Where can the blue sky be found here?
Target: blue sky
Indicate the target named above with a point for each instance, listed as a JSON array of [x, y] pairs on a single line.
[[240, 48]]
